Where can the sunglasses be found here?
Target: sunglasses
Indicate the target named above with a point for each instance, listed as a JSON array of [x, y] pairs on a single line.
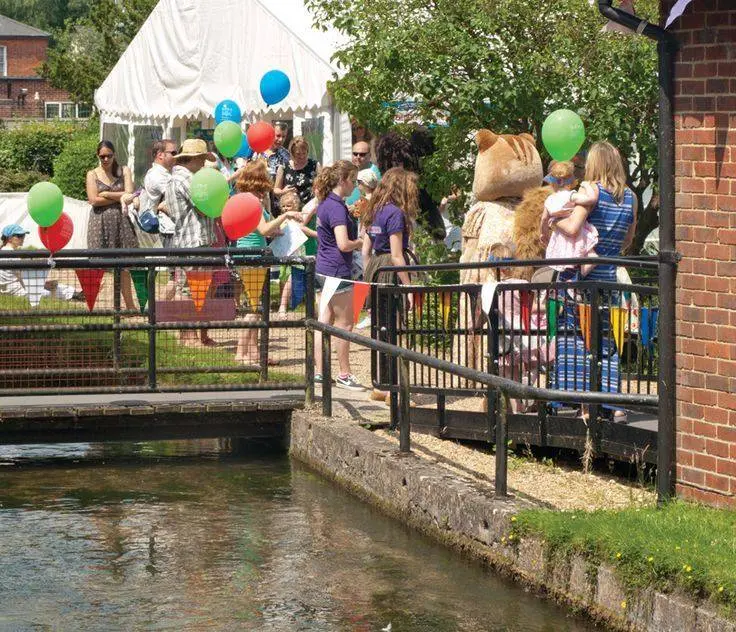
[[106, 156], [173, 153], [359, 154]]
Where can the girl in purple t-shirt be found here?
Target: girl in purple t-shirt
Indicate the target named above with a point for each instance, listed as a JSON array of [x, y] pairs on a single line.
[[336, 241], [389, 218]]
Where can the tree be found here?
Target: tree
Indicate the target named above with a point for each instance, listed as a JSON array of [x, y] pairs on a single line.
[[87, 48], [500, 64], [45, 14]]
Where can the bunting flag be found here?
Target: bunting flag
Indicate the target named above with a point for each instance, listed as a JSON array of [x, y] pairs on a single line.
[[199, 284], [298, 286], [253, 280], [140, 283], [584, 316], [526, 299], [360, 293], [418, 302], [553, 308], [677, 11], [446, 306], [90, 280], [648, 326], [486, 295], [619, 316], [34, 282], [328, 291]]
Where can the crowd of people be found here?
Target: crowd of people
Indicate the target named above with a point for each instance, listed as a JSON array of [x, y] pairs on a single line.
[[357, 215]]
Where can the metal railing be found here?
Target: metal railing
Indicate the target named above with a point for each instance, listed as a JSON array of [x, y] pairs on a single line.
[[189, 312]]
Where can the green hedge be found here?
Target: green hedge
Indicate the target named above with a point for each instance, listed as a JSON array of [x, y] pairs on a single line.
[[33, 146], [72, 164], [19, 181]]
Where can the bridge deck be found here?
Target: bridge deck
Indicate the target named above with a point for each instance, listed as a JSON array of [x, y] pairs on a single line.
[[59, 418]]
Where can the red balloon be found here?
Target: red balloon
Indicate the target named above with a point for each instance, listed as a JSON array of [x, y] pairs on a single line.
[[260, 136], [241, 215], [56, 236]]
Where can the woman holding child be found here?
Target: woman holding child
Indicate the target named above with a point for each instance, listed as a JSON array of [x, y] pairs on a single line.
[[610, 207]]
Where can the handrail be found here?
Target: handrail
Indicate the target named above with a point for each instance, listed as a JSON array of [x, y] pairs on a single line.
[[507, 386]]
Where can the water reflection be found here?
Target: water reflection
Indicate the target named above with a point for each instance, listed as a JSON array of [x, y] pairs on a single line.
[[193, 536]]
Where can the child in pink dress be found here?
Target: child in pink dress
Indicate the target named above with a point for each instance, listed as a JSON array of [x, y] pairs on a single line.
[[560, 205]]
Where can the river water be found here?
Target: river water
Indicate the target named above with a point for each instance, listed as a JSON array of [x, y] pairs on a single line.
[[200, 536]]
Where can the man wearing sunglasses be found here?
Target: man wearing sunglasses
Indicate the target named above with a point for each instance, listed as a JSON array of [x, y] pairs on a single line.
[[155, 184], [362, 160]]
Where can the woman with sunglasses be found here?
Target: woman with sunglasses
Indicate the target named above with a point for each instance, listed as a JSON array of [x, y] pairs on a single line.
[[109, 190]]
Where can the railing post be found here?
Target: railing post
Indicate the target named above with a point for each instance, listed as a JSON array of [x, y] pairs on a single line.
[[393, 368], [326, 375], [309, 333], [596, 364], [492, 353], [117, 334], [405, 407], [151, 281], [500, 484], [266, 311]]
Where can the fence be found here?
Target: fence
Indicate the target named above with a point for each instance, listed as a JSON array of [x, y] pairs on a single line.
[[150, 321]]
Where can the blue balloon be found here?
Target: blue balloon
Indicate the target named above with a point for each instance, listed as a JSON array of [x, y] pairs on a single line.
[[245, 151], [275, 85], [227, 110]]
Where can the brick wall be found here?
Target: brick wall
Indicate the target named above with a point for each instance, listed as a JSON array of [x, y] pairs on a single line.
[[705, 136], [25, 56]]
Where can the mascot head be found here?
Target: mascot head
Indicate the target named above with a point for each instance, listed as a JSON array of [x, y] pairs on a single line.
[[506, 167]]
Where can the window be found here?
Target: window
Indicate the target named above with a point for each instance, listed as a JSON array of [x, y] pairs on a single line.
[[53, 110], [3, 61], [66, 110]]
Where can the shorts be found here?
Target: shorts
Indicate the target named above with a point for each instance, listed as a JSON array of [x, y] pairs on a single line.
[[343, 286]]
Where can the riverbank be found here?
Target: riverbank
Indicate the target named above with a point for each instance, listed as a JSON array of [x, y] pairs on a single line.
[[443, 500]]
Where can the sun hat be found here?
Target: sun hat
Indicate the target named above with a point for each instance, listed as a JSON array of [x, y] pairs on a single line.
[[194, 147], [368, 178], [14, 229]]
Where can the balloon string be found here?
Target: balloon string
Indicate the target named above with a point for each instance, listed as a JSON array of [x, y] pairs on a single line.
[[50, 261]]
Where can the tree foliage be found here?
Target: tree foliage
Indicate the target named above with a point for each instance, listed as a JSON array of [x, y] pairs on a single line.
[[45, 14], [86, 50], [499, 64]]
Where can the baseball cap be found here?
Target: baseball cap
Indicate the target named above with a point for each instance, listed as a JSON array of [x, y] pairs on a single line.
[[368, 178], [14, 229]]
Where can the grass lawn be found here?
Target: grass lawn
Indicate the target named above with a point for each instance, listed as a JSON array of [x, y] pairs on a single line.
[[170, 353], [681, 545]]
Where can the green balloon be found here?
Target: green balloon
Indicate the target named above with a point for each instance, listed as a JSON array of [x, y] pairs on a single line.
[[209, 191], [228, 138], [45, 203], [563, 134]]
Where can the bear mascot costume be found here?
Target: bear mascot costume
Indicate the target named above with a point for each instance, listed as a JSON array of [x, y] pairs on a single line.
[[508, 210]]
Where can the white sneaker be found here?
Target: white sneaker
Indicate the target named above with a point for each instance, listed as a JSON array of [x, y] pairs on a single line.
[[364, 324], [350, 383]]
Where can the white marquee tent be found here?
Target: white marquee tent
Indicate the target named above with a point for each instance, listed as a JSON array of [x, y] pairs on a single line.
[[191, 54]]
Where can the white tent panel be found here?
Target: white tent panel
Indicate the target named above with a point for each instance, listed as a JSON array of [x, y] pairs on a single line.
[[191, 54]]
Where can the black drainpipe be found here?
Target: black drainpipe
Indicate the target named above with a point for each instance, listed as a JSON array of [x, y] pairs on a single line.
[[667, 46]]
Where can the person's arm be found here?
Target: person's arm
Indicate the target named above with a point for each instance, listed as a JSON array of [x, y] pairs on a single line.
[[367, 250], [396, 241], [309, 232], [278, 188], [544, 230], [94, 197], [632, 229], [571, 225], [270, 228], [344, 243]]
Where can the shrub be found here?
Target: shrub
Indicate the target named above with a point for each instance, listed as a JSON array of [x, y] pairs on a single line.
[[19, 181], [33, 146], [72, 164]]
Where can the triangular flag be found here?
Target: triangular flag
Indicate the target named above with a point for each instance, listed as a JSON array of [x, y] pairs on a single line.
[[360, 293], [584, 315], [253, 280], [648, 326], [553, 307], [418, 302], [90, 280], [486, 295], [140, 283], [199, 284], [618, 322], [328, 291], [34, 282], [525, 299], [298, 286], [446, 301]]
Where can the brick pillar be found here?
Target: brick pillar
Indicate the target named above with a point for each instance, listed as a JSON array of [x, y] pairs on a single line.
[[705, 136]]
